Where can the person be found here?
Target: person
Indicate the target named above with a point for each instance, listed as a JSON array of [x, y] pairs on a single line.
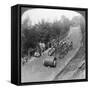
[[42, 47]]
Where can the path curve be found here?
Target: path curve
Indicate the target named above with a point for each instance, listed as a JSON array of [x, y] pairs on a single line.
[[36, 71]]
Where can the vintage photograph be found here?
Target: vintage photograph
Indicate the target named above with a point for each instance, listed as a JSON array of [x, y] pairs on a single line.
[[53, 44]]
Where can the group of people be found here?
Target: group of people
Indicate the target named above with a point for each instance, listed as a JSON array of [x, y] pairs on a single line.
[[40, 49], [54, 44], [65, 47]]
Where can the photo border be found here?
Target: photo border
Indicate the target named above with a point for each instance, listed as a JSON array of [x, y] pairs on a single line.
[[20, 6]]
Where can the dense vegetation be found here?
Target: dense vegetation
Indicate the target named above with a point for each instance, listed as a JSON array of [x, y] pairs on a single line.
[[42, 32]]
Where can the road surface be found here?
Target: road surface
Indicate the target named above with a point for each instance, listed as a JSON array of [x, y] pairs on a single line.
[[35, 71]]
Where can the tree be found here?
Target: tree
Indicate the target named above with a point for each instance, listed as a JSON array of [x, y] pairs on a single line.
[[65, 24], [80, 20], [42, 32]]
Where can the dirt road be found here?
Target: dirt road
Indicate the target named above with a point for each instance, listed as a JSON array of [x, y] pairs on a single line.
[[35, 71]]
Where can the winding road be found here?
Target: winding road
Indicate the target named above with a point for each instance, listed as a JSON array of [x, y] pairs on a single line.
[[35, 71]]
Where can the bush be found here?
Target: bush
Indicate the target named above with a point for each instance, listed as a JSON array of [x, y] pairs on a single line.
[[44, 32]]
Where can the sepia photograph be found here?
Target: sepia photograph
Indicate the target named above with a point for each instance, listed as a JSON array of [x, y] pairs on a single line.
[[53, 44]]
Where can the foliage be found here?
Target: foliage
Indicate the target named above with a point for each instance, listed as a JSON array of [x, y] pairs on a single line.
[[42, 32]]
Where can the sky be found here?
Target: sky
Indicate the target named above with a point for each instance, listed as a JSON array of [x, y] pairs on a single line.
[[34, 16]]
